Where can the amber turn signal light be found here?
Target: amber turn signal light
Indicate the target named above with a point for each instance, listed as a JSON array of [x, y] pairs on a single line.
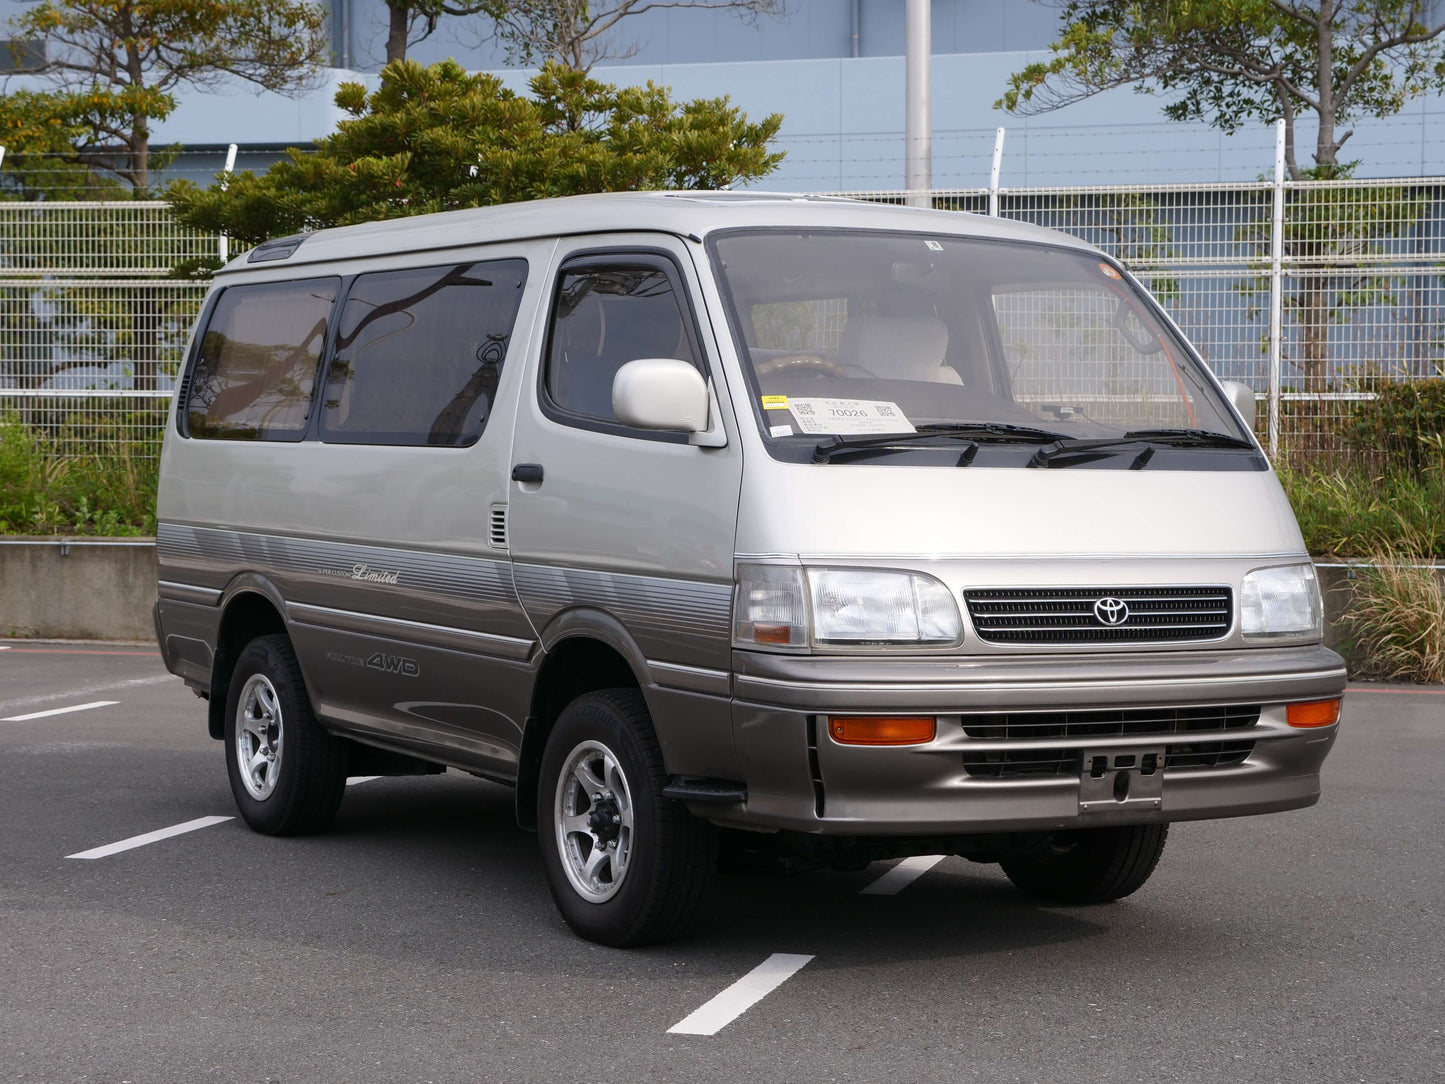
[[1315, 713], [881, 729]]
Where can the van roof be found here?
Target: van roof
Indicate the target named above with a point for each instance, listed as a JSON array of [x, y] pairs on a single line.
[[684, 213]]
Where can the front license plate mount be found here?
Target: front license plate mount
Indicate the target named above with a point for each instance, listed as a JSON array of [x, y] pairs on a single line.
[[1121, 778]]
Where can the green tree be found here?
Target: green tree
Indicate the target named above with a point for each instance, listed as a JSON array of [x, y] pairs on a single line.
[[410, 21], [579, 33], [115, 64], [1235, 62], [437, 139]]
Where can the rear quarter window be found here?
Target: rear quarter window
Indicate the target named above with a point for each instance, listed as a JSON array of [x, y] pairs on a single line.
[[419, 354], [255, 369]]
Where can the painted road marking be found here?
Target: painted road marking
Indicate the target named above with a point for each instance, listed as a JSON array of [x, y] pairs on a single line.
[[85, 690], [356, 780], [901, 876], [741, 995], [58, 711], [150, 837]]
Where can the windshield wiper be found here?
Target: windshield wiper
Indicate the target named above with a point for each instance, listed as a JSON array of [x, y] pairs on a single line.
[[1203, 438], [1176, 438], [969, 432]]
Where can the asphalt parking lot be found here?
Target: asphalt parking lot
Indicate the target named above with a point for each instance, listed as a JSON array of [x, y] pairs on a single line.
[[417, 941]]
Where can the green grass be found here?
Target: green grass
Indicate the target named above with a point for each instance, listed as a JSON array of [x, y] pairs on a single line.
[[95, 493], [1350, 513]]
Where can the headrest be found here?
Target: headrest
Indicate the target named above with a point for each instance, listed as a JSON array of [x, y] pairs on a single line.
[[894, 347]]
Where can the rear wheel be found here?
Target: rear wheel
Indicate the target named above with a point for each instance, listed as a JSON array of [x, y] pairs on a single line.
[[287, 773], [626, 866], [1092, 865]]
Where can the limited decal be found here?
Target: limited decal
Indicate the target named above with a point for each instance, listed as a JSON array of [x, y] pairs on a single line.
[[849, 416], [365, 573], [775, 402], [1109, 271], [933, 246]]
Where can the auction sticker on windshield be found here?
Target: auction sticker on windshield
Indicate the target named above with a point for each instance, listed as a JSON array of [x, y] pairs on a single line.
[[848, 416]]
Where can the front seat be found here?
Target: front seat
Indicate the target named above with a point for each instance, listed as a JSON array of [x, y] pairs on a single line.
[[896, 348]]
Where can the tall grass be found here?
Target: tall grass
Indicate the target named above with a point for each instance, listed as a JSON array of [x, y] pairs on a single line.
[[1352, 514], [1396, 619], [110, 492]]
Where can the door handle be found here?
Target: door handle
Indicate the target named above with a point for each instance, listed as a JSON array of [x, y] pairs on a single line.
[[527, 472]]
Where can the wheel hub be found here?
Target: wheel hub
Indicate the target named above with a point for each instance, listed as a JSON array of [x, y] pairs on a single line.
[[605, 819]]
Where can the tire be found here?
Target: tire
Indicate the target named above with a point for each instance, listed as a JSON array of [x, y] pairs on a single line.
[[1092, 865], [662, 859], [287, 773]]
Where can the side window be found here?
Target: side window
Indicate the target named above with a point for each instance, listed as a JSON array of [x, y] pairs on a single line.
[[604, 316], [256, 367], [419, 354]]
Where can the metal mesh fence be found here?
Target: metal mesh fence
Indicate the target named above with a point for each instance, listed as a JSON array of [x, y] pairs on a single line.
[[92, 326], [1360, 282]]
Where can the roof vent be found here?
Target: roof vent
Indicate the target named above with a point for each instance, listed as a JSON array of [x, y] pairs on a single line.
[[278, 248]]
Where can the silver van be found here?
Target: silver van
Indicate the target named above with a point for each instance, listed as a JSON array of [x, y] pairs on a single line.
[[847, 530]]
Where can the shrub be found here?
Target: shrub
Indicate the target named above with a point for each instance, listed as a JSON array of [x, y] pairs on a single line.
[[110, 492], [1397, 621], [1351, 514], [1402, 425]]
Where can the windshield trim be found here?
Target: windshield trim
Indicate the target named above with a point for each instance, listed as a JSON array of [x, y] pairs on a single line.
[[791, 450]]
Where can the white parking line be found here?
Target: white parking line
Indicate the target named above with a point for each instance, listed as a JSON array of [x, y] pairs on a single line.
[[741, 995], [150, 837], [901, 876], [58, 711], [358, 779]]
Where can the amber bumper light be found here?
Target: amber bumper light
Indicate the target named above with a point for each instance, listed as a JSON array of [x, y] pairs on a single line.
[[1315, 713], [881, 729]]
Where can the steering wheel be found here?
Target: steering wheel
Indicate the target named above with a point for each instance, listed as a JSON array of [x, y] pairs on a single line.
[[801, 364]]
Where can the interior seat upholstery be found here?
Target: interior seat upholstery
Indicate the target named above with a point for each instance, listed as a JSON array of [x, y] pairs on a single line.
[[896, 348]]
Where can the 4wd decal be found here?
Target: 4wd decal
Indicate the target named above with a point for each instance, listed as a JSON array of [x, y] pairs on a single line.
[[393, 664]]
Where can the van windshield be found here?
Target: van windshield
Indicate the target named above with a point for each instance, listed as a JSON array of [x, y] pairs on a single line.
[[862, 333]]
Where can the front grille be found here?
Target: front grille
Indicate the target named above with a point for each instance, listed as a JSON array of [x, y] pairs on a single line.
[[1088, 725], [1070, 615]]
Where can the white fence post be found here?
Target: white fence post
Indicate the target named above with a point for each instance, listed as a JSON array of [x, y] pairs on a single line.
[[223, 243], [994, 172], [1276, 289]]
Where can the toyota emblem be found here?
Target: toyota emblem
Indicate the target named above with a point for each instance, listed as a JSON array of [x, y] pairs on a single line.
[[1111, 611]]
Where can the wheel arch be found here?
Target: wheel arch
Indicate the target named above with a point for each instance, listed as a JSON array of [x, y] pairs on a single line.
[[250, 607], [583, 651]]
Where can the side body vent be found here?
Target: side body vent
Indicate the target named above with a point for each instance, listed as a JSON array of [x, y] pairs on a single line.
[[497, 527]]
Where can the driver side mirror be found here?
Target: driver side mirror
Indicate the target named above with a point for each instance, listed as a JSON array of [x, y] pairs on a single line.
[[661, 393], [1242, 396]]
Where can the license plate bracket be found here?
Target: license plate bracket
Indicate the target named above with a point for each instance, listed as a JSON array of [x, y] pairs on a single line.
[[1121, 777]]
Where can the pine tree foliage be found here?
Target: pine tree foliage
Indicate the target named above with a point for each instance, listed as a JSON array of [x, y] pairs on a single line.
[[437, 138]]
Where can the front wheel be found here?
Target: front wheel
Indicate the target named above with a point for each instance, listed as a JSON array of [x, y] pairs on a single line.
[[1091, 865], [287, 773], [626, 865]]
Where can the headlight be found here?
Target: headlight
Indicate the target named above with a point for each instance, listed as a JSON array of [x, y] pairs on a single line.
[[1280, 603], [791, 607]]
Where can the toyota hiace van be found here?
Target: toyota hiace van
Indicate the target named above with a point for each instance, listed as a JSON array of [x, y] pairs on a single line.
[[857, 530]]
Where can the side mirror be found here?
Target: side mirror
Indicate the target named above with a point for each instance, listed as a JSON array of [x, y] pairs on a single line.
[[1242, 396], [661, 393]]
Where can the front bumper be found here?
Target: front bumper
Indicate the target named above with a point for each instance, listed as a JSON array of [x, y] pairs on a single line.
[[799, 779]]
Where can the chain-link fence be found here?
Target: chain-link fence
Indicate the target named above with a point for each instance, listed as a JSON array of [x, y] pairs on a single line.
[[1315, 294]]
